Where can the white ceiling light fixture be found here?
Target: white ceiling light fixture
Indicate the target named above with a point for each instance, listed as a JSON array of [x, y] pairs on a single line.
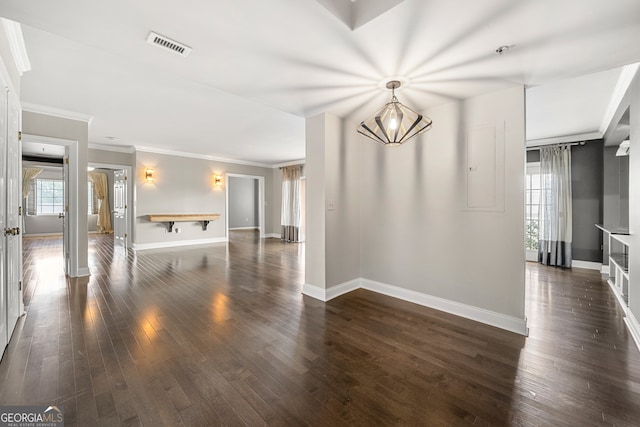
[[163, 42], [13, 31], [395, 123]]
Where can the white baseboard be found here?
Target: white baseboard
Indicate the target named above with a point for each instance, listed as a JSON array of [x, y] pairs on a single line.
[[499, 320], [314, 291], [273, 236], [161, 245], [634, 327], [244, 228], [42, 234], [590, 265], [605, 269], [332, 292]]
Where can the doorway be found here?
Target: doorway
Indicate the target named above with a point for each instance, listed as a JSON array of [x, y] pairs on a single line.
[[119, 199], [244, 203], [35, 144]]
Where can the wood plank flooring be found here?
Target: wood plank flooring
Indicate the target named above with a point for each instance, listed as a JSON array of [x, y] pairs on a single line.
[[220, 335]]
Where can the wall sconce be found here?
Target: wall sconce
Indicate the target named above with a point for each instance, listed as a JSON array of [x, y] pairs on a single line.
[[217, 180], [148, 175]]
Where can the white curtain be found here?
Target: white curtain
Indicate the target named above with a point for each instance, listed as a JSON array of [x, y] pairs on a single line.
[[555, 229], [102, 192], [291, 216], [28, 175]]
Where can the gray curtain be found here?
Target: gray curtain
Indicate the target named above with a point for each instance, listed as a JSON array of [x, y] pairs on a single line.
[[555, 226], [290, 218]]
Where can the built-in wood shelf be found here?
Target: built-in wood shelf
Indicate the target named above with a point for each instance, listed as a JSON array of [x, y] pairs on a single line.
[[171, 219]]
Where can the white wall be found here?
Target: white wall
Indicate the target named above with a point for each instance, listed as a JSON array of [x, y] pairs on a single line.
[[185, 185], [332, 172], [417, 233], [427, 221], [342, 204]]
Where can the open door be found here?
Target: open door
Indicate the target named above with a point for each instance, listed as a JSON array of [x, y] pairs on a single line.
[[10, 214], [4, 334], [14, 217], [120, 208], [64, 215]]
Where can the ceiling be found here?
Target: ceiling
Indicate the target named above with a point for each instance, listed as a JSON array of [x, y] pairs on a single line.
[[573, 107], [258, 68]]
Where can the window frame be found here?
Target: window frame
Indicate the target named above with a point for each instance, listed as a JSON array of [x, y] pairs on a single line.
[[532, 168]]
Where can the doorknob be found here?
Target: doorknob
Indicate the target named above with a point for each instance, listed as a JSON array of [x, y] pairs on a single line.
[[12, 231]]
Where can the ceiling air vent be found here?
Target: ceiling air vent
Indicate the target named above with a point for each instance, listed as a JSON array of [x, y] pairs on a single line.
[[166, 43]]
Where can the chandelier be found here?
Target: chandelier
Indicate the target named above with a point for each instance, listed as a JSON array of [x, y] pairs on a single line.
[[395, 123]]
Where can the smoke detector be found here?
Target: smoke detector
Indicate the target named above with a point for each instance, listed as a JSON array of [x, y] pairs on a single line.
[[161, 41]]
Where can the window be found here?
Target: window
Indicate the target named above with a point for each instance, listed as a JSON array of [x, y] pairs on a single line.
[[49, 196], [532, 200], [46, 197], [92, 207]]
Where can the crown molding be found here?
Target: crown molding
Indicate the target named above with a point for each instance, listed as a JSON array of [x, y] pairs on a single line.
[[627, 75], [57, 112], [115, 148], [13, 30], [199, 156]]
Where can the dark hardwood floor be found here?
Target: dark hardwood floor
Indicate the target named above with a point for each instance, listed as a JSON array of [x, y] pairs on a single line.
[[220, 335]]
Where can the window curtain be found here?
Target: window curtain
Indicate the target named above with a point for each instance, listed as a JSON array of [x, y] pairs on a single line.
[[28, 177], [102, 193], [555, 228], [291, 217]]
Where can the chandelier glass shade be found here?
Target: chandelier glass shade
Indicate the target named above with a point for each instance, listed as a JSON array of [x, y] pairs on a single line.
[[395, 123]]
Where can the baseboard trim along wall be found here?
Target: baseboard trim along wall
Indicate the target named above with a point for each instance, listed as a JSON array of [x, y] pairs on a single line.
[[161, 245], [605, 269], [590, 265], [488, 317], [272, 236], [634, 327], [244, 228], [333, 292]]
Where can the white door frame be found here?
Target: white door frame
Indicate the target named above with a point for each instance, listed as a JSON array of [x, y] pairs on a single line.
[[260, 200], [71, 182], [127, 170]]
